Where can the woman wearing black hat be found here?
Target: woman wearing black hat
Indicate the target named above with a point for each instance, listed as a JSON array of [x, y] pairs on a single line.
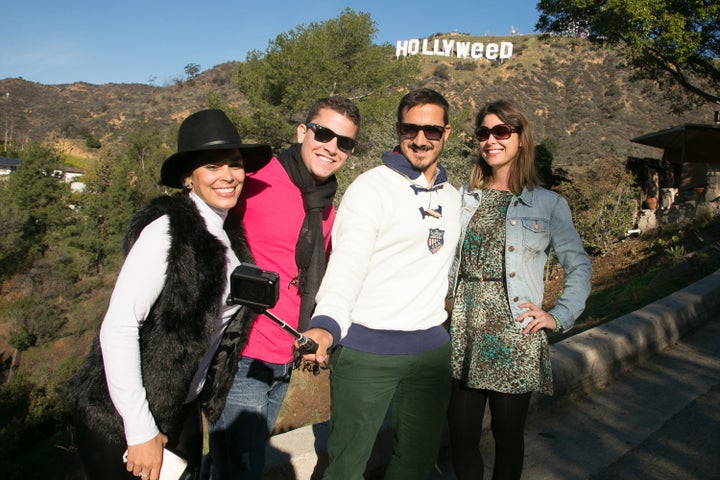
[[135, 397]]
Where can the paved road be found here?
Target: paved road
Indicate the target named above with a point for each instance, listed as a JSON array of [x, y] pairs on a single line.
[[661, 420]]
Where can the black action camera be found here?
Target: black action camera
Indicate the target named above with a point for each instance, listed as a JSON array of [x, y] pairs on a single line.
[[254, 287]]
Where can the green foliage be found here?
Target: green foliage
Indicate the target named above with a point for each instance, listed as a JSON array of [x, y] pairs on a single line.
[[32, 420], [603, 204], [39, 197], [192, 70], [665, 40], [13, 244], [703, 216], [335, 57], [673, 247], [461, 149], [70, 130], [663, 244], [145, 149], [267, 126], [544, 156], [115, 188], [468, 66], [677, 243], [92, 142], [48, 283], [14, 405], [442, 71], [676, 252], [38, 318]]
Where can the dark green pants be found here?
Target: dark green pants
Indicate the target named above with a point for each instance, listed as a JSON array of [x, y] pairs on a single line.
[[415, 387]]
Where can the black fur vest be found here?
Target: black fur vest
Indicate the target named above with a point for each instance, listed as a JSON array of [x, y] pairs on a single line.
[[177, 332]]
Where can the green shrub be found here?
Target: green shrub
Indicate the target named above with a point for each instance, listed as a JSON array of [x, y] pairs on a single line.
[[469, 66], [603, 204]]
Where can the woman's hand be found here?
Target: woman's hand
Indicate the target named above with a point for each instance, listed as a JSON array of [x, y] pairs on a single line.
[[541, 320], [144, 459]]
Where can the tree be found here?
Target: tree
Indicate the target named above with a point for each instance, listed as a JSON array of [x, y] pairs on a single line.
[[106, 204], [676, 43], [40, 196], [544, 155], [13, 245], [603, 203], [192, 70], [335, 57], [37, 318], [92, 142], [115, 188]]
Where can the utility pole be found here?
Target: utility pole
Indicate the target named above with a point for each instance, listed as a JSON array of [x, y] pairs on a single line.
[[7, 109]]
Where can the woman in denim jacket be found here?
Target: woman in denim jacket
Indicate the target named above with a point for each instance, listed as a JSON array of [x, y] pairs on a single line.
[[498, 327]]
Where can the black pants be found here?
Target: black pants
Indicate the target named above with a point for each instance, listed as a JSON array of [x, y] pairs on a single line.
[[465, 417], [102, 459]]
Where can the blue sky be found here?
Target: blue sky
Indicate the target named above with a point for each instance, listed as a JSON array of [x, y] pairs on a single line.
[[151, 41]]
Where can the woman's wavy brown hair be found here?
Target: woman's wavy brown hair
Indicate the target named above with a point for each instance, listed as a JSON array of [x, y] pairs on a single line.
[[523, 173]]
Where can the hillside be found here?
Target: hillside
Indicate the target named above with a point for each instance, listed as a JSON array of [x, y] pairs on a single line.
[[579, 96], [57, 113]]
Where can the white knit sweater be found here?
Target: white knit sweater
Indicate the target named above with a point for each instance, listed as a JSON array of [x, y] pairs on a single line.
[[386, 280]]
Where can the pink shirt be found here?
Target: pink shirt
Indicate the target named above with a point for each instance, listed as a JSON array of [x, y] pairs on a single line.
[[272, 210]]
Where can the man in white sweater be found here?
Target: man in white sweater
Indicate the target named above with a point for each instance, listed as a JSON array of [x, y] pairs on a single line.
[[381, 302]]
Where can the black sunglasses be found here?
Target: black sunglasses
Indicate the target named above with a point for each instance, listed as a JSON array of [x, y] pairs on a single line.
[[324, 135], [410, 130], [500, 131]]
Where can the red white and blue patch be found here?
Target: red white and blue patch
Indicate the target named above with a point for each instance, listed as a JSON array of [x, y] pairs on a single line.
[[436, 240]]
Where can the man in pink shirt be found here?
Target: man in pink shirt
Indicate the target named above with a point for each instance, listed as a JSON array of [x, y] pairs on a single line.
[[287, 213]]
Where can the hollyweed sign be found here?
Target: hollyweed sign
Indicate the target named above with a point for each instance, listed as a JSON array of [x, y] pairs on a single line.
[[445, 47]]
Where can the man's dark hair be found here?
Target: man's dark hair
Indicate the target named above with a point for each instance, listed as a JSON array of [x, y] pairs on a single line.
[[338, 104], [423, 96]]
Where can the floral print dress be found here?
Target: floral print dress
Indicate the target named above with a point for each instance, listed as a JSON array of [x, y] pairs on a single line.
[[489, 351]]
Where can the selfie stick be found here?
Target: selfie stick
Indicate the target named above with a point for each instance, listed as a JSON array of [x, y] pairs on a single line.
[[308, 345]]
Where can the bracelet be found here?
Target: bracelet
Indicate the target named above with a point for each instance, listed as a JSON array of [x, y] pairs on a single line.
[[558, 325]]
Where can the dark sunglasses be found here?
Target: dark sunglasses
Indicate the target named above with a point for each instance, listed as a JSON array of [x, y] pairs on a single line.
[[410, 130], [501, 131], [324, 135]]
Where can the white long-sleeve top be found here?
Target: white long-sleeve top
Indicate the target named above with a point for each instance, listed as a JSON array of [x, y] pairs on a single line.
[[138, 286], [393, 242]]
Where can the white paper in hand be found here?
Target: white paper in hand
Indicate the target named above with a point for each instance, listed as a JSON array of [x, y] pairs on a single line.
[[172, 466]]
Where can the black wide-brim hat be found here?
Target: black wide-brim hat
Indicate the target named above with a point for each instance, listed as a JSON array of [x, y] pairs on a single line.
[[209, 130]]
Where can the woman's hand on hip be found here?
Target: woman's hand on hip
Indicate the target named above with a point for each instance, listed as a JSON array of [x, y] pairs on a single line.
[[541, 318]]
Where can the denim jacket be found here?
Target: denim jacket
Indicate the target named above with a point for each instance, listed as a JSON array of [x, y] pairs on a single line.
[[536, 220]]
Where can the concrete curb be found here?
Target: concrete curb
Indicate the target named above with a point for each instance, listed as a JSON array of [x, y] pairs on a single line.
[[581, 363], [590, 359]]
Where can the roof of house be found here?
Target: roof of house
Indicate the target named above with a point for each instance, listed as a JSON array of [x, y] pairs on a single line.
[[9, 162], [689, 142]]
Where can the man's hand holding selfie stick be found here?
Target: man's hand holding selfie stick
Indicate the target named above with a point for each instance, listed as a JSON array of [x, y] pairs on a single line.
[[323, 340]]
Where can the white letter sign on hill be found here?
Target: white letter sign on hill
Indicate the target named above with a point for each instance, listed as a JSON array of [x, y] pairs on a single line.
[[448, 47]]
